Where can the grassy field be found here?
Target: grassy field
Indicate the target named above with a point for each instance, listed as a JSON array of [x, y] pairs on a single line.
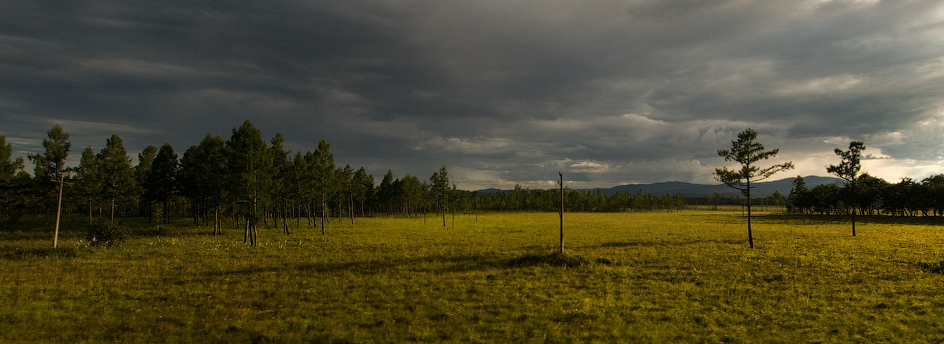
[[634, 277]]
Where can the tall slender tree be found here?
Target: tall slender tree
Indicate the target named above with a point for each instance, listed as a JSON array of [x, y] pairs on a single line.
[[849, 170], [324, 173], [114, 166], [89, 180], [53, 160], [747, 152], [281, 181], [48, 165], [8, 168], [202, 178], [346, 182], [8, 165], [303, 175], [162, 179], [249, 171], [363, 187], [141, 171], [385, 192], [440, 188]]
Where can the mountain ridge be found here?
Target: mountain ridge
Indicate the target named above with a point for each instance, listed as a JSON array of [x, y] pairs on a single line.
[[761, 189], [699, 190]]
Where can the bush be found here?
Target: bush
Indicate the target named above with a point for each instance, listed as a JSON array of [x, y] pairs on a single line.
[[107, 234]]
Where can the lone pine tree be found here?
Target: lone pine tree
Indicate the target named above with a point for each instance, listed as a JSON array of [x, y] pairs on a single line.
[[848, 170], [747, 152]]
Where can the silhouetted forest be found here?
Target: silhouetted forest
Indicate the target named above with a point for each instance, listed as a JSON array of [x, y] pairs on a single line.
[[874, 196], [245, 180]]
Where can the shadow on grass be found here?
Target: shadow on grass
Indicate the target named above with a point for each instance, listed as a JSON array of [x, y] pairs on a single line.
[[860, 219], [434, 264], [660, 243], [932, 267], [38, 253]]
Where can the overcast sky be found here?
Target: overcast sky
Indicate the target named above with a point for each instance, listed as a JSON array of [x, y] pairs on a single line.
[[501, 92]]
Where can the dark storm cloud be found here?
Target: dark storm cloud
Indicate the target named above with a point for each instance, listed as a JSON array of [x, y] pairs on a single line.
[[501, 92]]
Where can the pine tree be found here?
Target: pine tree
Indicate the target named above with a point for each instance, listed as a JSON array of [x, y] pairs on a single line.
[[848, 170], [48, 165], [145, 159], [8, 168], [89, 180], [440, 189], [281, 181], [747, 152], [117, 176], [162, 178], [323, 166], [363, 188], [202, 178], [53, 160], [249, 166]]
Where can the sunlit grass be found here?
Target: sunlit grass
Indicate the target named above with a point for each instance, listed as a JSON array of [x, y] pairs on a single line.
[[634, 277]]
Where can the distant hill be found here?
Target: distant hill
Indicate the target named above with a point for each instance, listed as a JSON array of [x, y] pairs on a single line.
[[699, 190], [706, 190]]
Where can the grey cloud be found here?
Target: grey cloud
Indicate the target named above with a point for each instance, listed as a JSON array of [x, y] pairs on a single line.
[[498, 89]]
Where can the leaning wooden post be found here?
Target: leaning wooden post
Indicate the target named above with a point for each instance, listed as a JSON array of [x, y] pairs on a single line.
[[55, 236], [561, 183]]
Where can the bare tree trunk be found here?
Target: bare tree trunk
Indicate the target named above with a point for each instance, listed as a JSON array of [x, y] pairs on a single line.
[[324, 208], [255, 235], [246, 233], [750, 235], [166, 212]]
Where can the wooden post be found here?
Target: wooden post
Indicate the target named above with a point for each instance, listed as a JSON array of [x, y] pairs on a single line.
[[561, 183], [61, 181]]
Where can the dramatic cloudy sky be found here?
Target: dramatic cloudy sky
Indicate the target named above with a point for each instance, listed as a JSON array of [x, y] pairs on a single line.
[[502, 92]]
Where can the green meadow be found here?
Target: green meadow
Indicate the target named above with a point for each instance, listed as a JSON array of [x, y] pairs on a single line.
[[494, 277]]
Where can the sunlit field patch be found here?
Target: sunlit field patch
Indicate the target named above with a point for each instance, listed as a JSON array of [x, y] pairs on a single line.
[[493, 277]]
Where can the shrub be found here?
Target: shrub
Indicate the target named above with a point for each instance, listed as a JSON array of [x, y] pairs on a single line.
[[107, 234]]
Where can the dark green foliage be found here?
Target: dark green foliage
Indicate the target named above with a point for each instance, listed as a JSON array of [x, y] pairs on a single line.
[[440, 190], [363, 188], [849, 169], [47, 167], [53, 160], [162, 178], [107, 234], [202, 178], [116, 174], [873, 196], [746, 151], [249, 172], [8, 168]]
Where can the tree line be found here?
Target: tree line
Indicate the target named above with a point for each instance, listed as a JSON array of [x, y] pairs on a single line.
[[873, 196], [245, 180]]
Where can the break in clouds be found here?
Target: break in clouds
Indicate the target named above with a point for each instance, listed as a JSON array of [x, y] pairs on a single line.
[[503, 92]]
